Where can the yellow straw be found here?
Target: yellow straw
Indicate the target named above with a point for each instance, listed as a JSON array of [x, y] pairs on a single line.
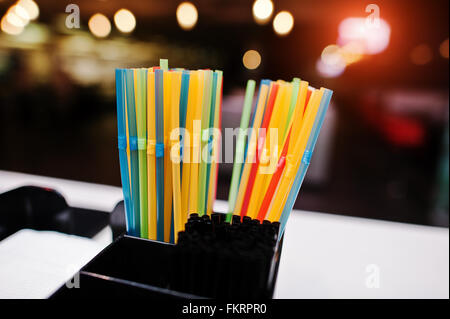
[[298, 112], [128, 138], [277, 121], [251, 150], [294, 158], [216, 145], [187, 153], [151, 154], [175, 151], [206, 107], [196, 155], [167, 162]]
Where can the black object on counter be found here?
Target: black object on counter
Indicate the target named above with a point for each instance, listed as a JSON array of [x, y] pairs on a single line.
[[41, 208]]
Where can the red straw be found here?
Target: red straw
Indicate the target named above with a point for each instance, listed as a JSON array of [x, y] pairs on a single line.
[[308, 95], [261, 140], [274, 181]]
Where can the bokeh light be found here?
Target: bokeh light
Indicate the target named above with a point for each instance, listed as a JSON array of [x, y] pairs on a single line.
[[21, 12], [283, 23], [421, 54], [125, 20], [330, 70], [9, 28], [99, 25], [187, 15], [262, 11], [331, 55], [30, 7], [375, 39], [14, 19], [251, 59], [352, 52], [331, 63], [443, 49]]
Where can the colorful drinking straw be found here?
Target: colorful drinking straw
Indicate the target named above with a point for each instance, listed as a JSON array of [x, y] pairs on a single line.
[[275, 178], [252, 144], [269, 158], [196, 156], [159, 148], [240, 146], [260, 146], [305, 160], [215, 152], [293, 159], [140, 93], [273, 142], [134, 160], [206, 107], [122, 145], [187, 147], [175, 82], [165, 178], [294, 125], [217, 144], [167, 162], [209, 137], [151, 155]]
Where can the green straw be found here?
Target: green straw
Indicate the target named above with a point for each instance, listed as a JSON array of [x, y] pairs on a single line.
[[206, 109], [141, 121], [295, 88], [240, 147], [164, 64], [134, 159]]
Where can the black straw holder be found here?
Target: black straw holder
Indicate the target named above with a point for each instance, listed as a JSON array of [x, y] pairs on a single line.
[[199, 266]]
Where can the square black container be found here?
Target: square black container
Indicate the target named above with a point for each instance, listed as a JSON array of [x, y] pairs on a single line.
[[129, 267], [136, 267]]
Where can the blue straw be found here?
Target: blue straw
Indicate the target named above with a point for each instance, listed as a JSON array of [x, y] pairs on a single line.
[[305, 160], [159, 73], [184, 97], [252, 123], [122, 145], [183, 109], [134, 161]]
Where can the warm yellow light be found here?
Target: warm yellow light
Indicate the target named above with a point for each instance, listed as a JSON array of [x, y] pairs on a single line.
[[125, 20], [21, 12], [187, 15], [352, 52], [331, 55], [262, 11], [99, 25], [283, 22], [15, 20], [9, 28], [30, 7], [334, 55], [421, 54], [251, 59], [443, 49]]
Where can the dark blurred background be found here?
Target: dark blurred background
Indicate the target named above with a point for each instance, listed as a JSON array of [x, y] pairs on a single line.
[[383, 151]]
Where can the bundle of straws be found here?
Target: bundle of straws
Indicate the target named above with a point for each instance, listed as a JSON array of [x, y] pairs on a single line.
[[272, 157], [165, 119]]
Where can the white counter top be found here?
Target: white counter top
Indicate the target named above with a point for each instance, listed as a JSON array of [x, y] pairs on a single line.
[[324, 255]]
